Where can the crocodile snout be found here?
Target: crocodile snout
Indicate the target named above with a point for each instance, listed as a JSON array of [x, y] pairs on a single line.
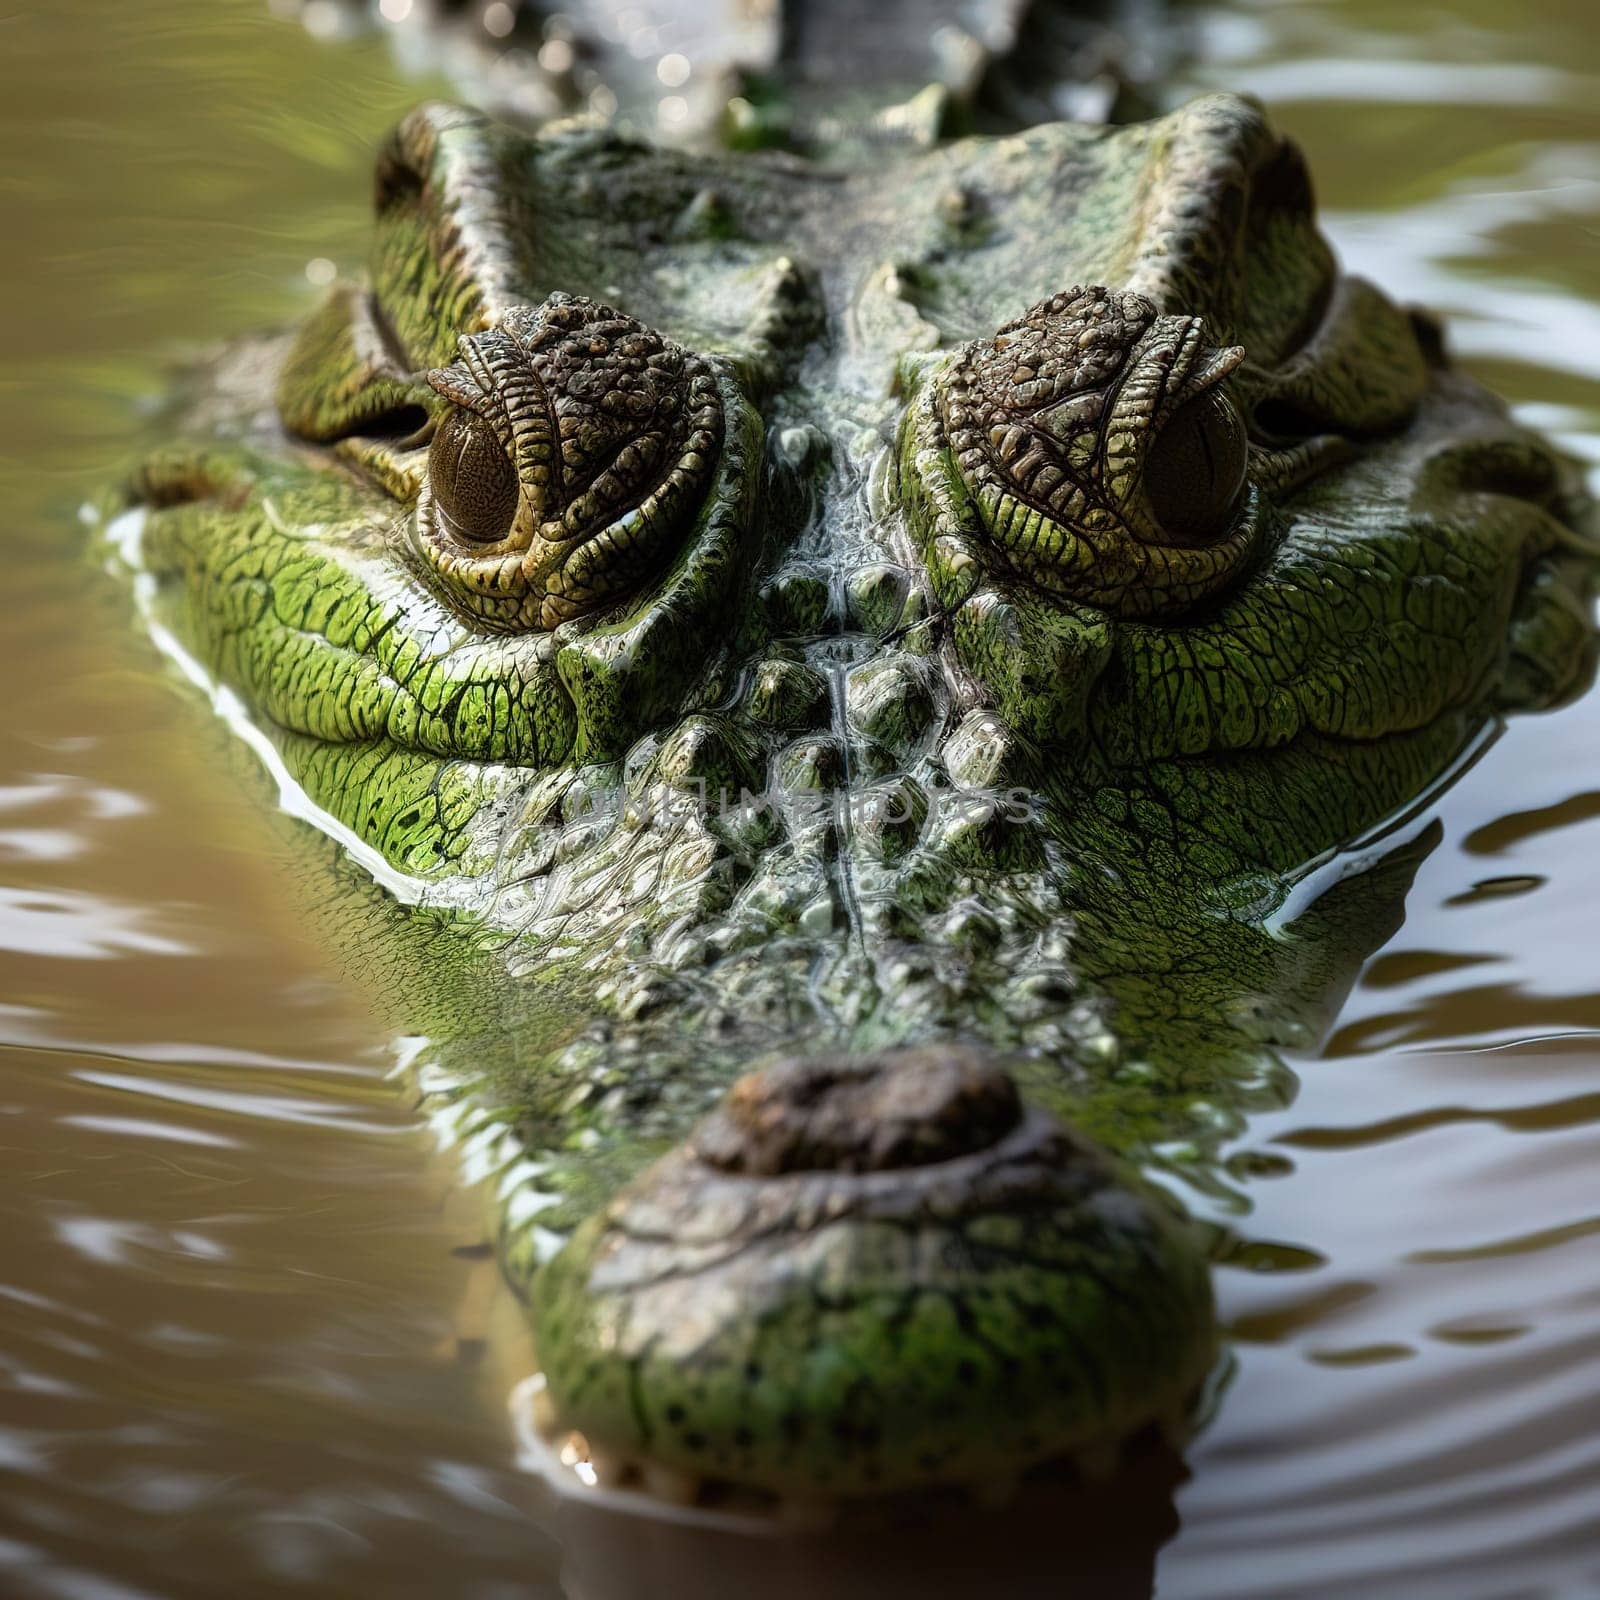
[[870, 1274], [885, 1113]]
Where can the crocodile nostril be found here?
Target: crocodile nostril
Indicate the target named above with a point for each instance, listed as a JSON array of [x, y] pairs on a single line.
[[910, 1107], [867, 1274]]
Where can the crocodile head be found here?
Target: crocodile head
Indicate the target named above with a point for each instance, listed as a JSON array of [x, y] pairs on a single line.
[[868, 654]]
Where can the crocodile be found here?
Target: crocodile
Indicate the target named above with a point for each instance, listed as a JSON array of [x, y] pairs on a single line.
[[867, 704]]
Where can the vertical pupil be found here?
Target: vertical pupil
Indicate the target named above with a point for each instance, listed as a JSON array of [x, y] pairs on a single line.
[[1195, 469], [473, 480]]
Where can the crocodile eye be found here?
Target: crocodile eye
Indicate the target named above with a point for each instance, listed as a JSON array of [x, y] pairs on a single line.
[[1099, 457], [474, 482], [1195, 469], [578, 450]]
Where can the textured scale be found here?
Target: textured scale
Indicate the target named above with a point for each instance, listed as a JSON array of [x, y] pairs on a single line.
[[1050, 422], [610, 431], [932, 731]]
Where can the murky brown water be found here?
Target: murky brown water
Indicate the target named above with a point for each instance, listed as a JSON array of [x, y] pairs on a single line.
[[244, 1348]]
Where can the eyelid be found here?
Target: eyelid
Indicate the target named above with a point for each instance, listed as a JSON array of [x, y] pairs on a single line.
[[458, 386], [1055, 494], [613, 433], [1076, 410]]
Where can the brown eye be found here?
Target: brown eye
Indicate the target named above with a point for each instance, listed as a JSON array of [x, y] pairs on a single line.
[[1195, 469], [474, 483]]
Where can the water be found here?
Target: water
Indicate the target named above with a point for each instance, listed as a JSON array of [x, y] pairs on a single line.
[[247, 1343]]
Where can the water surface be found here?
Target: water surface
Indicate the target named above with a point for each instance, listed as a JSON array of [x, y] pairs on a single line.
[[247, 1344]]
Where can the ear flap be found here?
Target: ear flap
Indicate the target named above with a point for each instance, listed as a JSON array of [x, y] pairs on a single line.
[[445, 258], [1232, 234], [1362, 371], [1227, 227], [342, 377], [451, 253]]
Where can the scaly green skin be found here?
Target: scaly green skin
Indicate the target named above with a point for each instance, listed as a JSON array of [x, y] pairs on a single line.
[[841, 603]]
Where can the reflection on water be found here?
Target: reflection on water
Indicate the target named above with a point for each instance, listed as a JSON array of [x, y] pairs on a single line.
[[1097, 1539], [248, 1342]]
